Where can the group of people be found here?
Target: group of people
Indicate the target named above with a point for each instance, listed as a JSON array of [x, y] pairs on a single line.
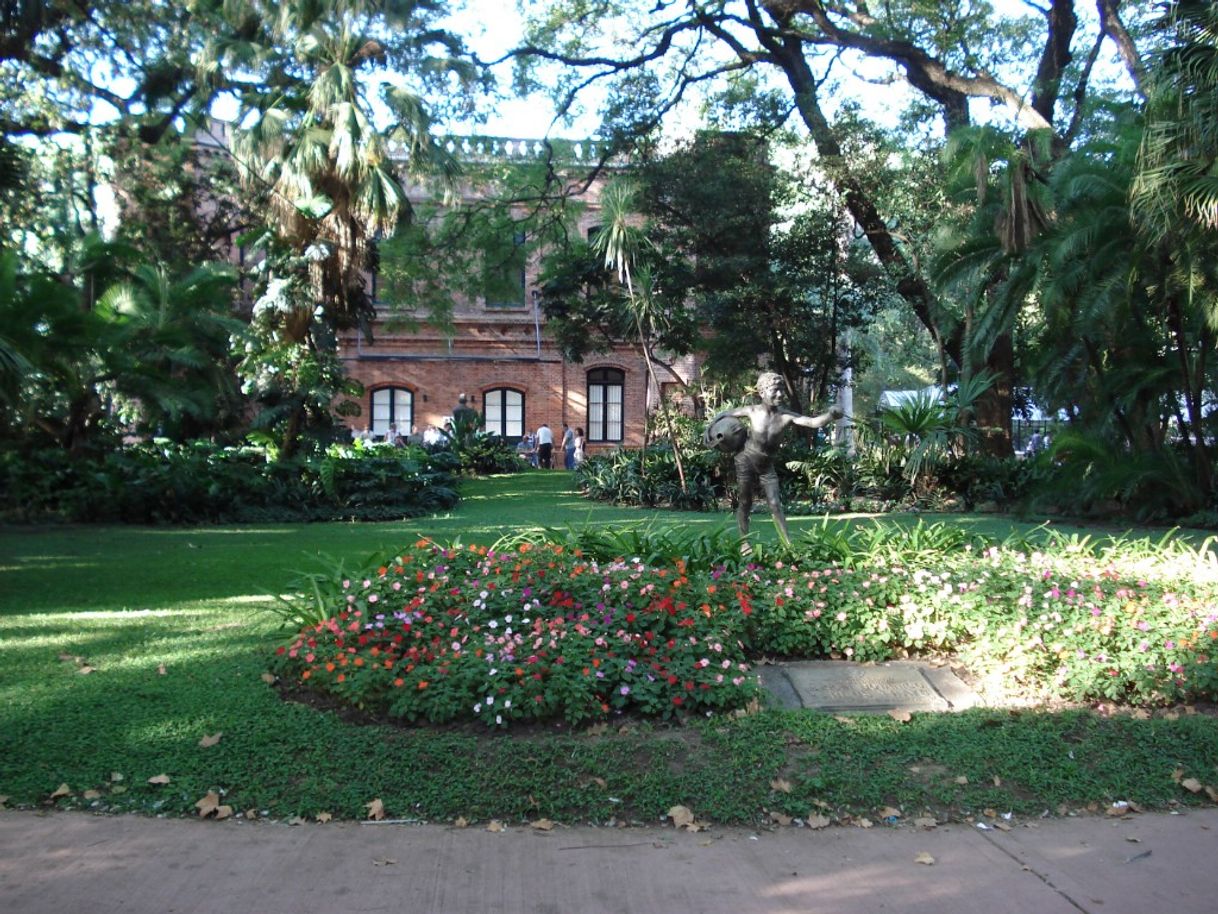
[[398, 438], [538, 448]]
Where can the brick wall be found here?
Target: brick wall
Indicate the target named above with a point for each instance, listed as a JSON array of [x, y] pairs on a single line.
[[487, 355]]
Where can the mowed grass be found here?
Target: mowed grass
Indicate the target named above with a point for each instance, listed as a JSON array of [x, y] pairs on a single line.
[[121, 648]]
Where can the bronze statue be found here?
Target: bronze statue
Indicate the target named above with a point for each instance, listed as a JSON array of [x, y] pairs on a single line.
[[756, 445]]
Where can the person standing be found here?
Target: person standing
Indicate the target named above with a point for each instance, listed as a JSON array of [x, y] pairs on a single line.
[[568, 447], [545, 447], [580, 442]]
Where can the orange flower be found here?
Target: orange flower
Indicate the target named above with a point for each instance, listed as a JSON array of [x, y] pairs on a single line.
[[329, 667], [306, 674], [359, 661], [398, 683], [423, 683], [342, 677]]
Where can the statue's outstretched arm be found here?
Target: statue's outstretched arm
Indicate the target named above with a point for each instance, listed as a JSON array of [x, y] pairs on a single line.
[[818, 421]]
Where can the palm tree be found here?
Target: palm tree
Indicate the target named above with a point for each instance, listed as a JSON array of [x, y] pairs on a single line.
[[308, 132], [621, 241], [1178, 160]]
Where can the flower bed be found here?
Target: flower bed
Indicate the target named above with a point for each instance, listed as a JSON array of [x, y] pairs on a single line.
[[543, 632], [536, 633]]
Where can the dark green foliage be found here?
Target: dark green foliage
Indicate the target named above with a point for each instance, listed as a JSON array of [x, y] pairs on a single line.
[[202, 483], [649, 479]]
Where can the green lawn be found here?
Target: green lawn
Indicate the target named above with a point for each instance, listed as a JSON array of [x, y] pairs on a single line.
[[122, 647]]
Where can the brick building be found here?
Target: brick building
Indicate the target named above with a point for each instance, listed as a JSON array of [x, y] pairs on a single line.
[[499, 355]]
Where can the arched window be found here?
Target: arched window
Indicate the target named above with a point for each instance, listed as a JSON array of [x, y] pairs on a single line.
[[606, 387], [392, 407], [504, 412]]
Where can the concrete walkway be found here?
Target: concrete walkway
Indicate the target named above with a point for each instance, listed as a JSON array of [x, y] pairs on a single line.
[[63, 863]]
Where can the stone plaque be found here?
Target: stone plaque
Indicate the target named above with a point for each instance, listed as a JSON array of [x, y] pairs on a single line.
[[839, 686]]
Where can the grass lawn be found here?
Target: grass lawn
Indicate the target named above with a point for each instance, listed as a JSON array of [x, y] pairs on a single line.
[[121, 648]]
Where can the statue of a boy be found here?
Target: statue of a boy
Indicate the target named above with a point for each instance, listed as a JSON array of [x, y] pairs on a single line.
[[767, 421]]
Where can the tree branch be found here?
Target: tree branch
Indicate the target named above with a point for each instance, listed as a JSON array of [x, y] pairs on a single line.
[[1111, 24]]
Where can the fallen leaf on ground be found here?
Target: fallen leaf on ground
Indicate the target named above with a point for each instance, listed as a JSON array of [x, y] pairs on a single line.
[[324, 817], [209, 804], [1177, 775], [69, 658], [161, 671], [297, 820], [116, 776], [990, 813], [780, 818], [119, 788], [782, 785], [1212, 793], [903, 717], [543, 825], [461, 822], [159, 779], [92, 794], [251, 814], [223, 812], [843, 720], [3, 800], [926, 822], [997, 781], [600, 782], [962, 779], [63, 790], [208, 741], [376, 809], [889, 812], [863, 823], [268, 678], [597, 730], [496, 826], [681, 816], [85, 670], [925, 859], [818, 822], [1002, 826], [1192, 785], [387, 861]]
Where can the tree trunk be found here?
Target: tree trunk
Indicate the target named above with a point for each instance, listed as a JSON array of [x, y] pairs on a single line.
[[993, 407]]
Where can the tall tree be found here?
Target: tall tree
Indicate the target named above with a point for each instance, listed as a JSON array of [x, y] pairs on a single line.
[[949, 52]]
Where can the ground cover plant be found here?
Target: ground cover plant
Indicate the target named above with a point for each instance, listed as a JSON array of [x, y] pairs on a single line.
[[143, 652]]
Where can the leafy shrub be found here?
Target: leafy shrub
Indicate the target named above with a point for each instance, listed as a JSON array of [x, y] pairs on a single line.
[[650, 478], [202, 483], [482, 454]]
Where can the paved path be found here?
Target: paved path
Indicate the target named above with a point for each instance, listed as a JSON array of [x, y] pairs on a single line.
[[63, 863]]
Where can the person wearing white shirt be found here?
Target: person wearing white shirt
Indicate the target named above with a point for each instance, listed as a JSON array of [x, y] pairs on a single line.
[[545, 446]]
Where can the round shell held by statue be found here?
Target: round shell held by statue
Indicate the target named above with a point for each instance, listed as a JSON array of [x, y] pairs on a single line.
[[727, 434]]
